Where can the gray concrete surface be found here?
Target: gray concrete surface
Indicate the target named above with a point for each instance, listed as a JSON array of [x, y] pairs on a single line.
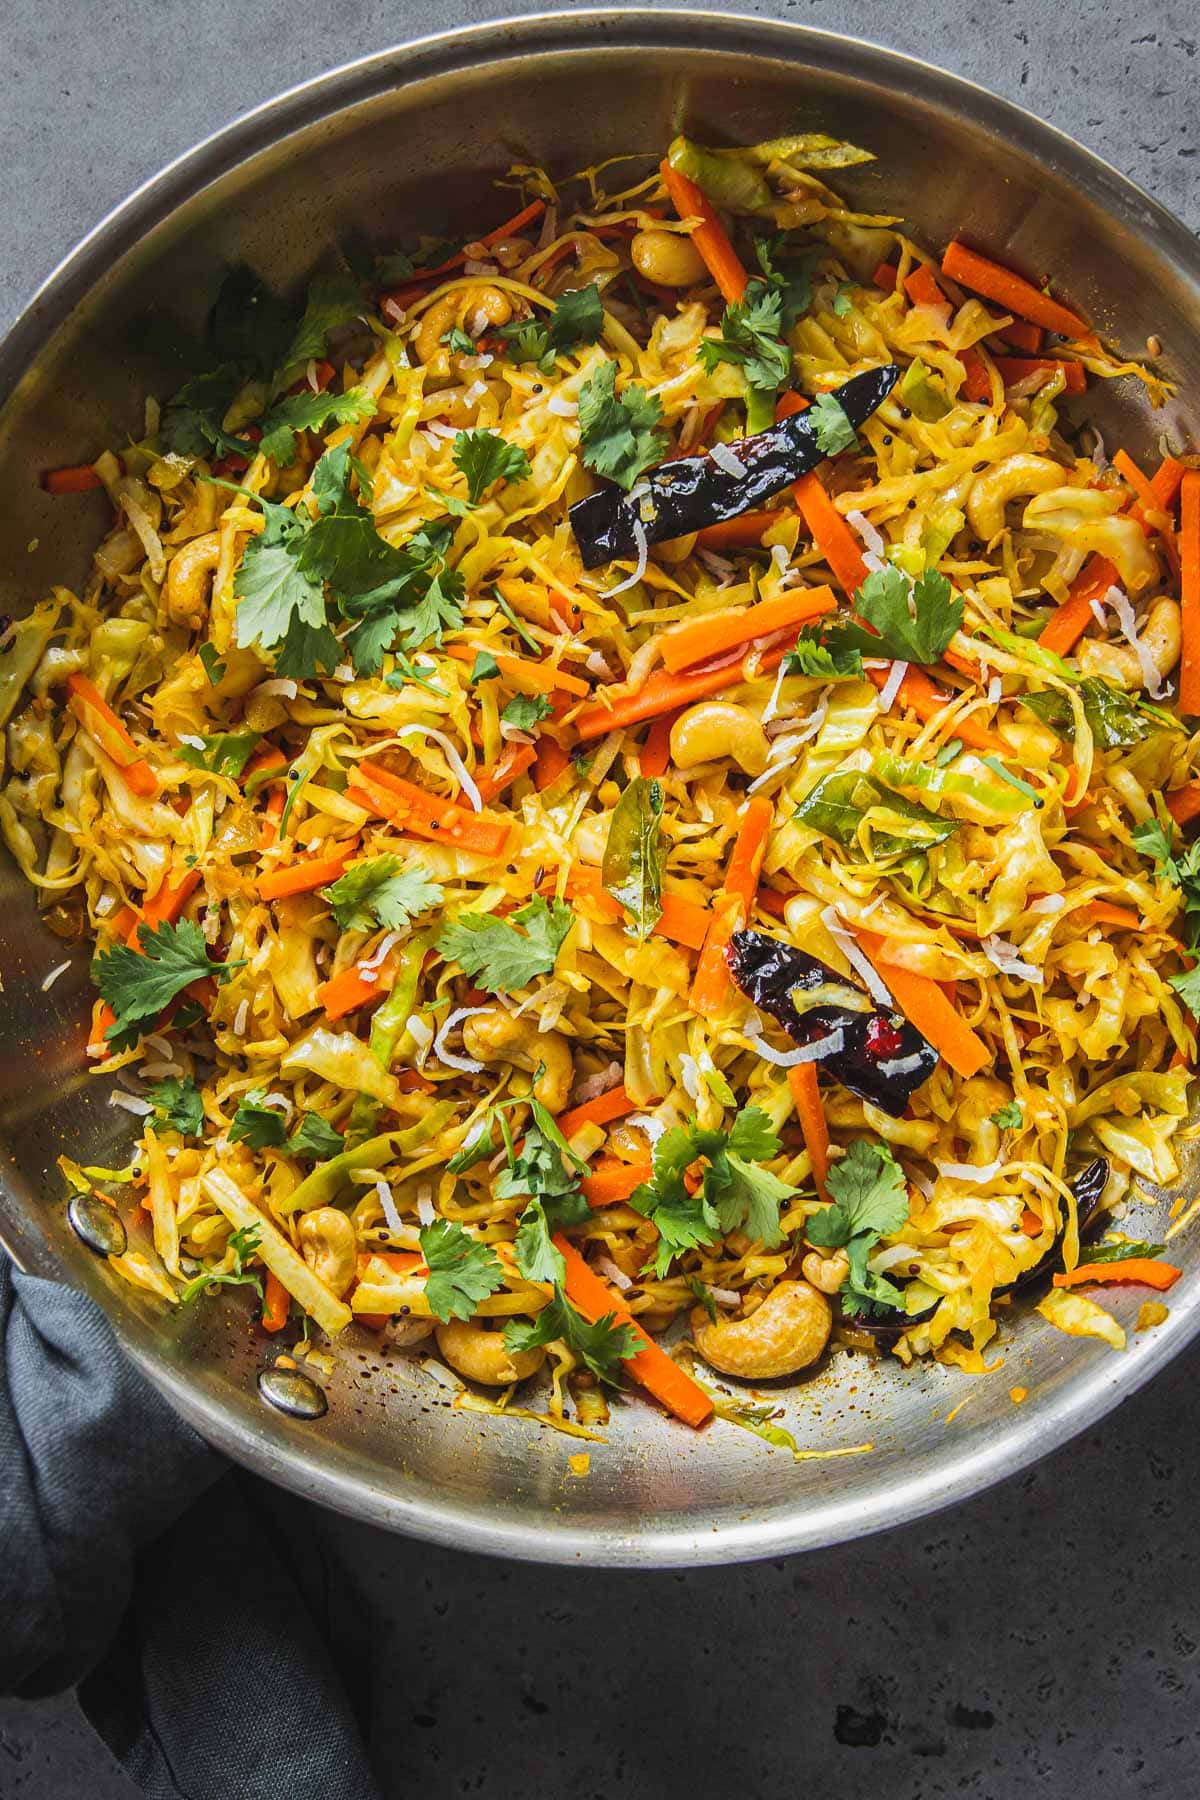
[[1040, 1641]]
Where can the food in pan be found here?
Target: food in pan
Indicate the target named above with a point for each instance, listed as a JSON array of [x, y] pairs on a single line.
[[635, 771]]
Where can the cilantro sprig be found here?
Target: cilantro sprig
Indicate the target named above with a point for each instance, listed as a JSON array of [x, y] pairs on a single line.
[[381, 891], [138, 984], [735, 1193], [462, 1271], [616, 431], [750, 339], [869, 1201], [1157, 841], [505, 954], [601, 1347], [831, 425], [242, 1245], [486, 458], [578, 318], [914, 621], [177, 1105], [263, 1127]]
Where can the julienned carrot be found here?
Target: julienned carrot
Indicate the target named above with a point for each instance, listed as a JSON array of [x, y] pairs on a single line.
[[1012, 292], [1021, 335], [514, 761], [710, 984], [1189, 577], [276, 1303], [510, 227], [603, 1110], [652, 1367], [664, 693], [1018, 368], [1069, 621], [978, 386], [827, 528], [1145, 1270], [656, 751], [1105, 912], [550, 760], [101, 722], [701, 639], [749, 848], [538, 677], [77, 479], [772, 902], [709, 237], [416, 810], [165, 905], [920, 694], [737, 534], [356, 986], [925, 1005], [269, 830], [611, 1181], [681, 920], [922, 287], [1165, 481], [301, 877], [1184, 804], [1141, 484], [885, 276], [806, 1097], [266, 765], [103, 1018]]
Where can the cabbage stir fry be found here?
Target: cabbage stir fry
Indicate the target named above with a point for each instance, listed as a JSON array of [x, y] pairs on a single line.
[[635, 770]]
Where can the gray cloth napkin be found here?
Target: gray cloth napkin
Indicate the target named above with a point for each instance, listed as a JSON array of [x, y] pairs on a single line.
[[137, 1566]]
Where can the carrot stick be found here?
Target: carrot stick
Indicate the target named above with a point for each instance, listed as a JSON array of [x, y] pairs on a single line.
[[1069, 621], [538, 677], [356, 986], [1104, 912], [512, 764], [652, 1367], [1016, 368], [269, 832], [101, 722], [611, 1181], [740, 533], [749, 848], [103, 1017], [710, 237], [885, 276], [664, 693], [1141, 484], [924, 1005], [827, 528], [1184, 804], [656, 751], [711, 982], [1166, 480], [806, 1097], [922, 289], [682, 921], [416, 810], [603, 1110], [1143, 1269], [1189, 558], [550, 761], [770, 900], [169, 900], [276, 1303], [271, 759], [1021, 335], [732, 907], [301, 877], [701, 639], [978, 386], [76, 479], [919, 693], [1010, 291]]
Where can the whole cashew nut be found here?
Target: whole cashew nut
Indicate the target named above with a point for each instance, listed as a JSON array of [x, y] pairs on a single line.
[[1161, 636], [495, 1036], [329, 1247], [717, 729], [477, 307], [787, 1332], [1004, 481], [189, 577], [668, 258], [481, 1355]]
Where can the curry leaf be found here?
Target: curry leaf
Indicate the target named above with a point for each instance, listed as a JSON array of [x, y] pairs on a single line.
[[632, 866]]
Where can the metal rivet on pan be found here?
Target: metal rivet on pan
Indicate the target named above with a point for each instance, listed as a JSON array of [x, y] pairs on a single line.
[[293, 1393], [97, 1224]]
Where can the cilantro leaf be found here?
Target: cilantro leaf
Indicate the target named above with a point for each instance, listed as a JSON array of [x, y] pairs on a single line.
[[841, 302], [546, 1166], [813, 657], [271, 588], [458, 341], [381, 891], [733, 1195], [439, 606], [870, 1200], [484, 457], [333, 300], [617, 432], [750, 339], [536, 1255], [578, 318], [1157, 841], [790, 276], [831, 426], [242, 1244], [501, 956], [1115, 1253], [914, 621], [261, 1127], [1009, 1117], [224, 752], [214, 668], [192, 422], [305, 649], [177, 1105], [138, 986], [1152, 839], [309, 412], [524, 711], [315, 1137], [484, 668], [1187, 986], [601, 1347], [632, 866], [462, 1271]]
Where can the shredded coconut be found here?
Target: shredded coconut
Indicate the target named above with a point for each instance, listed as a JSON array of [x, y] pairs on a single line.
[[466, 1063], [969, 1171], [457, 766], [804, 1053], [858, 961], [1047, 903], [867, 532], [1007, 958], [130, 1103], [891, 686], [282, 686], [426, 1211], [239, 1019], [54, 974], [421, 1033], [727, 462], [639, 538], [562, 407], [618, 1277], [1156, 687], [387, 1201]]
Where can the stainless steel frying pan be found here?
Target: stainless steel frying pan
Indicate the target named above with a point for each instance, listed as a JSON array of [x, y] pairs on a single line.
[[411, 139]]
